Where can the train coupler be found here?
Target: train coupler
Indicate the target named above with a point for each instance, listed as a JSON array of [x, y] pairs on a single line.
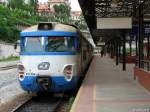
[[44, 83]]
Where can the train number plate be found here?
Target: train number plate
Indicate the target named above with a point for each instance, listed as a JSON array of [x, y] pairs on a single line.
[[30, 73]]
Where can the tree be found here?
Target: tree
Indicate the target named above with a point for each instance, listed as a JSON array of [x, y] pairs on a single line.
[[33, 5], [81, 23], [28, 6], [62, 13], [10, 18], [62, 9], [16, 4]]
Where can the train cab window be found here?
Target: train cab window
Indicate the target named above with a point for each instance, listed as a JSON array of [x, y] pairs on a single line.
[[60, 44], [34, 44]]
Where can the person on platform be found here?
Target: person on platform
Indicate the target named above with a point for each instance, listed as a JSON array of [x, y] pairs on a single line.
[[102, 53]]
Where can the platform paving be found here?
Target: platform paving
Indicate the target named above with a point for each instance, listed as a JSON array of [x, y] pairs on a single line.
[[107, 88]]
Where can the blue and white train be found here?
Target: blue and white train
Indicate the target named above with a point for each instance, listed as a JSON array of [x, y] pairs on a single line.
[[53, 57]]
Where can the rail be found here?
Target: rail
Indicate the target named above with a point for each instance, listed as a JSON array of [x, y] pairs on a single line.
[[144, 64], [8, 67]]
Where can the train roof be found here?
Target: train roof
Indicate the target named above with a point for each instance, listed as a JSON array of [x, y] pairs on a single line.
[[55, 27]]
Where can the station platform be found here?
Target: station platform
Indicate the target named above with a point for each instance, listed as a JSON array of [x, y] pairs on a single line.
[[106, 88]]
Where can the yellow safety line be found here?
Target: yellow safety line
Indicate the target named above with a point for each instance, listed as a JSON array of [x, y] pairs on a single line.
[[94, 98]]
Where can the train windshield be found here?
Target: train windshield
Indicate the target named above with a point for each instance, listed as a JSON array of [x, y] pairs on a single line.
[[48, 44], [60, 44], [34, 44]]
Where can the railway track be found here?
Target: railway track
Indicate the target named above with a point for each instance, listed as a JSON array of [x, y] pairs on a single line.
[[41, 104], [8, 67]]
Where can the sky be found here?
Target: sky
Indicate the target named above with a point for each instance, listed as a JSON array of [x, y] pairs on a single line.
[[74, 4]]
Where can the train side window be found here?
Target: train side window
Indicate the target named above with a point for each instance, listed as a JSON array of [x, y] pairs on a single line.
[[79, 44]]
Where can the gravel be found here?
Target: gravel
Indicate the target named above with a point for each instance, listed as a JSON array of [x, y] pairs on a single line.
[[11, 93]]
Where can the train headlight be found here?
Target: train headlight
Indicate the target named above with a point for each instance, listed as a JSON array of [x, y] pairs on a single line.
[[68, 72], [21, 75], [21, 71]]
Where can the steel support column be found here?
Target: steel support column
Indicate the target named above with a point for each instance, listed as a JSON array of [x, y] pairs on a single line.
[[141, 36], [136, 45], [148, 46], [117, 53], [112, 50], [119, 50], [130, 44], [124, 52], [108, 48], [136, 49]]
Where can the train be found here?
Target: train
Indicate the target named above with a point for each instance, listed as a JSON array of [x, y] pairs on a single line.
[[53, 57]]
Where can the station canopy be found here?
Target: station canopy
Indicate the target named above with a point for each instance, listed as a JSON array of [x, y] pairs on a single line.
[[105, 18]]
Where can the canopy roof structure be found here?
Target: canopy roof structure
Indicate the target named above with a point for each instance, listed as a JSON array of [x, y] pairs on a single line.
[[95, 10]]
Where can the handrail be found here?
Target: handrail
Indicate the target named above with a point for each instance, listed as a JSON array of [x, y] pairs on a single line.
[[145, 64]]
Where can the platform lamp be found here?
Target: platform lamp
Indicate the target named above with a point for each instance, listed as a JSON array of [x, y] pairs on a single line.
[[114, 4]]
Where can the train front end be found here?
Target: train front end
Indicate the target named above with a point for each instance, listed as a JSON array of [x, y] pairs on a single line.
[[48, 61]]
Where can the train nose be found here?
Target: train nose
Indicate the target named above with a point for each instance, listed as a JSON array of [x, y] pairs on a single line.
[[44, 83]]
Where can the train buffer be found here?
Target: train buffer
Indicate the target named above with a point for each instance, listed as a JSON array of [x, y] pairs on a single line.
[[106, 88]]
